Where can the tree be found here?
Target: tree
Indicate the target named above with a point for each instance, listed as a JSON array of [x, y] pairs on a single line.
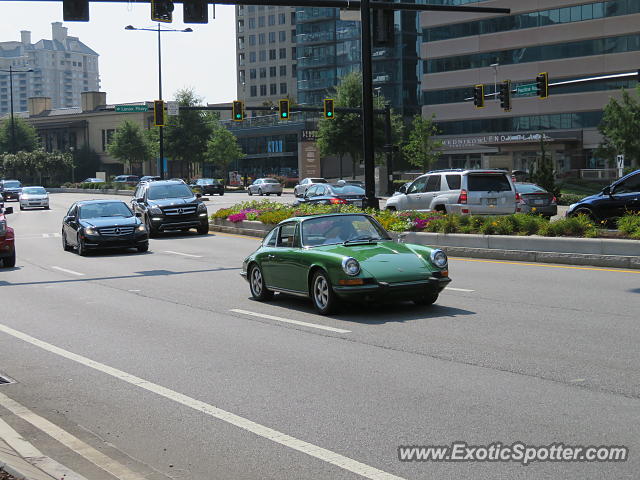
[[422, 149], [222, 148], [26, 137], [342, 135], [129, 144], [35, 166], [186, 134], [620, 127], [542, 173]]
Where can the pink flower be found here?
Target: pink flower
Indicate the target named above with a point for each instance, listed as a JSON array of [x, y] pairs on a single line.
[[237, 217]]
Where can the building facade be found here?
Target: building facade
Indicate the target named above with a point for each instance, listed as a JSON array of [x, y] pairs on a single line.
[[569, 39], [61, 69], [265, 54]]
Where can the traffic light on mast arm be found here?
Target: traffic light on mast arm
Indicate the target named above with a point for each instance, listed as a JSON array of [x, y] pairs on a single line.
[[158, 113], [505, 95], [542, 85], [478, 96], [75, 10], [237, 113], [195, 11], [284, 109], [328, 108], [162, 10]]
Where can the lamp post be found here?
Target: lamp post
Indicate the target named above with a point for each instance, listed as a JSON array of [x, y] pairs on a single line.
[[495, 80], [163, 173], [13, 122]]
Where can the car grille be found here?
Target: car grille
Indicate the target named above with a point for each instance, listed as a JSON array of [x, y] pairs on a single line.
[[186, 210], [116, 230]]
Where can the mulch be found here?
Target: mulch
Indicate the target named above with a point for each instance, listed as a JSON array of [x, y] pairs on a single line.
[[5, 476]]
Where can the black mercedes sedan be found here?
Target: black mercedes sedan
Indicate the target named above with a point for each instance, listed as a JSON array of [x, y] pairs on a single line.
[[208, 186], [98, 224], [334, 194]]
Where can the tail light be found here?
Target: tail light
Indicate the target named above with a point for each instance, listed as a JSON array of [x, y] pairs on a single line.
[[463, 197], [554, 199], [337, 201], [519, 198]]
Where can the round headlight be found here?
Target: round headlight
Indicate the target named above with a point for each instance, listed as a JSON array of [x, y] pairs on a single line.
[[439, 258], [89, 231], [141, 228], [155, 211], [350, 266]]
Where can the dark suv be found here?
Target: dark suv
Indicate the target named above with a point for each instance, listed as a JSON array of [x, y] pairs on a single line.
[[614, 201], [10, 189], [169, 205]]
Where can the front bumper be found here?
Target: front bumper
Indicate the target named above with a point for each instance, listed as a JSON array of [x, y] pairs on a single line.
[[11, 195], [7, 247], [25, 203], [163, 222], [395, 291], [103, 242]]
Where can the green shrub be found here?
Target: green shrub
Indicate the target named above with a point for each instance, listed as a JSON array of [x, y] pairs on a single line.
[[569, 198], [629, 223], [222, 213], [274, 216]]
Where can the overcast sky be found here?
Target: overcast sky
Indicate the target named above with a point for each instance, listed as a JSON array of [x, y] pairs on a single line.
[[203, 60]]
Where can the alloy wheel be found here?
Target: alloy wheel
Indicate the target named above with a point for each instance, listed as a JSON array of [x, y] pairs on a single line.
[[321, 292]]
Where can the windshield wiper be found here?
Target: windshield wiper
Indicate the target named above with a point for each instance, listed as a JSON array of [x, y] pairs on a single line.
[[363, 238]]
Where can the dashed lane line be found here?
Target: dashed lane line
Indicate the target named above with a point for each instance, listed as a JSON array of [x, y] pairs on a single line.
[[183, 254], [288, 320], [71, 272]]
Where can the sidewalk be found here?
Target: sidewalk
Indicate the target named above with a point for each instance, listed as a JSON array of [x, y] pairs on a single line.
[[15, 465]]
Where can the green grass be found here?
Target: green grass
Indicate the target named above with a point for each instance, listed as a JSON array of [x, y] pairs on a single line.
[[581, 187]]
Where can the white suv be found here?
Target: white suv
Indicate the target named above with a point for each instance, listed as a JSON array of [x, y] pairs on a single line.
[[464, 192]]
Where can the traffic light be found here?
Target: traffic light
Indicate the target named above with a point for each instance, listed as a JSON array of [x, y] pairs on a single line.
[[382, 30], [478, 96], [284, 109], [161, 10], [195, 11], [542, 85], [237, 112], [328, 108], [505, 95], [75, 10], [158, 113]]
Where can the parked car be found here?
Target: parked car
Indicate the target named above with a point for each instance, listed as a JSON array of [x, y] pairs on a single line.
[[92, 180], [532, 198], [614, 201], [459, 191], [150, 178], [7, 239], [343, 257], [10, 189], [265, 186], [358, 183], [334, 194], [169, 205], [126, 179], [305, 183], [101, 224], [31, 197], [208, 186]]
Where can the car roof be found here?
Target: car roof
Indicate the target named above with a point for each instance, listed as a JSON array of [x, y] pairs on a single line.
[[164, 182], [94, 201], [301, 218]]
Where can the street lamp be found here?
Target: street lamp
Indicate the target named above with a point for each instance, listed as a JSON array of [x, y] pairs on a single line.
[[163, 174], [13, 122], [495, 80]]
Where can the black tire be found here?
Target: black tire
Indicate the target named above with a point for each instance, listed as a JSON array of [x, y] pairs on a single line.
[[47, 207], [82, 250], [257, 286], [260, 192], [585, 211], [65, 246], [203, 229], [267, 194], [143, 248], [21, 208], [280, 194], [426, 300], [249, 191], [391, 209], [147, 222], [221, 194], [322, 295], [10, 261]]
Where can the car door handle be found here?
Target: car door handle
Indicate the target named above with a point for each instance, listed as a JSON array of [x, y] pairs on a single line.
[[271, 256]]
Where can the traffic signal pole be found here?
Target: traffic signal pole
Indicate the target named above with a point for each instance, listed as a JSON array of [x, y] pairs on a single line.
[[163, 173]]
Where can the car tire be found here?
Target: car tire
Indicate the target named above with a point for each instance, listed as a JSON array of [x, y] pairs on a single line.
[[257, 286], [9, 262], [222, 193], [391, 209], [280, 194], [47, 207], [65, 246], [426, 300], [143, 248], [260, 192], [82, 250], [249, 191], [21, 208], [322, 295], [585, 211], [203, 229], [147, 222], [268, 194]]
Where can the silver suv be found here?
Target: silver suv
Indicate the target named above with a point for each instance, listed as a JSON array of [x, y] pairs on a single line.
[[464, 192]]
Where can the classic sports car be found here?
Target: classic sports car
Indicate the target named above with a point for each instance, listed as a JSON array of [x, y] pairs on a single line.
[[343, 257]]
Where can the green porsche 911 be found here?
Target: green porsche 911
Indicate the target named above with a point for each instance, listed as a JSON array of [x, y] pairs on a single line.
[[343, 257]]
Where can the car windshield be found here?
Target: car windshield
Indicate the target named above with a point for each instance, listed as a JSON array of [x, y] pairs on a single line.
[[340, 229], [347, 190], [208, 181], [159, 192], [106, 209], [34, 191], [318, 180], [488, 183], [15, 184], [269, 180], [529, 188]]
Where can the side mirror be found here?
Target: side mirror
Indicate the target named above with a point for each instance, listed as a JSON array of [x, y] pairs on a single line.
[[606, 191], [8, 210], [70, 218], [138, 214], [139, 200], [198, 195]]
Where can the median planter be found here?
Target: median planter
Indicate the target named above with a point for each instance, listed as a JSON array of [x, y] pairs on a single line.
[[245, 227]]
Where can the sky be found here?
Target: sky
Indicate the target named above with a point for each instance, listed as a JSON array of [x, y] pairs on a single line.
[[203, 60]]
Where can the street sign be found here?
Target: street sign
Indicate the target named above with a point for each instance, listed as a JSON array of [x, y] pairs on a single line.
[[131, 108], [620, 161], [173, 108], [526, 89]]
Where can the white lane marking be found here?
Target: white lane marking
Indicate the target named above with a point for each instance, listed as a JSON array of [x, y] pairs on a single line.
[[60, 269], [34, 456], [310, 449], [183, 254], [459, 289], [286, 320], [50, 235]]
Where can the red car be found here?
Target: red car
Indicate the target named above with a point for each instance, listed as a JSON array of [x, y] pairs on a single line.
[[7, 245]]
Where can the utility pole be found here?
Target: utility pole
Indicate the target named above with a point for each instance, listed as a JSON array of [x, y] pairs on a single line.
[[367, 106]]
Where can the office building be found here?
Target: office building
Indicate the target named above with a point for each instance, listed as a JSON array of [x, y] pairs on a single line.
[[62, 68], [569, 39]]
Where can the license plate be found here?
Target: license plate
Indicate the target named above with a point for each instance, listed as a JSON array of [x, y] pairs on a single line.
[[539, 202], [492, 201]]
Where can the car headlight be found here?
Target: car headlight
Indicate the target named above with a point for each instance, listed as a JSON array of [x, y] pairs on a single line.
[[141, 228], [202, 207], [90, 231], [350, 266], [155, 211], [439, 258]]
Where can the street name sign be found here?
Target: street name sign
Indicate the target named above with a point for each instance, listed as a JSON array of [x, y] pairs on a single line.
[[131, 108], [526, 89]]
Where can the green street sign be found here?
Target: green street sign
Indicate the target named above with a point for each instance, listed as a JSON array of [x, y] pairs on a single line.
[[131, 108], [527, 89]]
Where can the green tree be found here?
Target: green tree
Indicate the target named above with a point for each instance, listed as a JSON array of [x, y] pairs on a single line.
[[26, 137], [222, 148], [422, 150], [342, 135], [620, 127], [36, 166], [186, 135], [542, 172], [129, 144]]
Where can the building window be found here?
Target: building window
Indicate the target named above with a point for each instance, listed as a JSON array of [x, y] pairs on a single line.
[[251, 9], [263, 90], [252, 24], [252, 57], [253, 91], [272, 20], [283, 70], [272, 54], [107, 136], [294, 70], [272, 72], [240, 10], [282, 36], [293, 36], [241, 59], [282, 18], [261, 39], [263, 72], [293, 18], [252, 39], [240, 43], [241, 76], [263, 55], [283, 53], [252, 73], [272, 37], [260, 22], [283, 88], [273, 89], [293, 53]]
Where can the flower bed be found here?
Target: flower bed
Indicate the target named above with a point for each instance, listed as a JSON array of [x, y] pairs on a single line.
[[271, 213]]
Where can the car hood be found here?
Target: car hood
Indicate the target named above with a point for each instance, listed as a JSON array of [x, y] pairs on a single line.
[[386, 261], [12, 189], [36, 196], [171, 202], [590, 198], [109, 222]]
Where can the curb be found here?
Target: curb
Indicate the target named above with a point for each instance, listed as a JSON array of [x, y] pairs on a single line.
[[127, 193], [595, 252], [5, 467]]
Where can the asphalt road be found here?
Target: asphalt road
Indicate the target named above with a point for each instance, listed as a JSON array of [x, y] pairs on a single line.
[[162, 363]]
